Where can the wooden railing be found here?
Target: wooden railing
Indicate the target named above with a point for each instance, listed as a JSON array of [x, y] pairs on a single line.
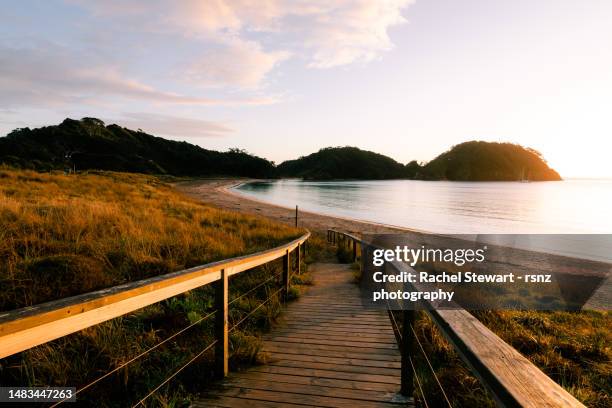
[[512, 380], [31, 326]]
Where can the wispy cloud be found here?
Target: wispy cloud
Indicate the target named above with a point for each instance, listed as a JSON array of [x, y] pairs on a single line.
[[327, 33], [54, 76], [151, 54], [235, 63], [169, 125]]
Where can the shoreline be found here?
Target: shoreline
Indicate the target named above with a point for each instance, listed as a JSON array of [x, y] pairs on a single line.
[[218, 192]]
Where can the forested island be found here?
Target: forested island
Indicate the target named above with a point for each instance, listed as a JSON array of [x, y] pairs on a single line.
[[469, 161], [89, 144]]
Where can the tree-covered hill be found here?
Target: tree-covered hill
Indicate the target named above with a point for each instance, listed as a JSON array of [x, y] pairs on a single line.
[[487, 161], [343, 163], [89, 144]]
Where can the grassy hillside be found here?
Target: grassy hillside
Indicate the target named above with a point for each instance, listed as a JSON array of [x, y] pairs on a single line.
[[342, 163], [89, 144], [64, 235], [486, 161]]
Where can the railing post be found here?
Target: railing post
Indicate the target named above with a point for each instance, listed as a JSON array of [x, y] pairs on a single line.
[[354, 250], [221, 326], [407, 382], [286, 268], [298, 257]]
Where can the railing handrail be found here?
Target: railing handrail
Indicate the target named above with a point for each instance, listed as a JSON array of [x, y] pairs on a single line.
[[512, 379], [31, 326]]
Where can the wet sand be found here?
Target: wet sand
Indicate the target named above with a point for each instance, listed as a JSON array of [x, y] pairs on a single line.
[[217, 192]]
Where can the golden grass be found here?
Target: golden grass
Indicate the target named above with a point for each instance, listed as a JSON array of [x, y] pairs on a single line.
[[573, 348], [64, 235]]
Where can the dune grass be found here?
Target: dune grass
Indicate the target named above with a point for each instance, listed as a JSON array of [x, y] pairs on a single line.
[[573, 348], [65, 235]]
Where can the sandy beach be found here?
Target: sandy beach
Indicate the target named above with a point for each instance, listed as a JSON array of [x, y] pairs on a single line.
[[217, 192]]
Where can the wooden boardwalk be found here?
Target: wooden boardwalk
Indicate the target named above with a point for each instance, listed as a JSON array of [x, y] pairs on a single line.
[[326, 351]]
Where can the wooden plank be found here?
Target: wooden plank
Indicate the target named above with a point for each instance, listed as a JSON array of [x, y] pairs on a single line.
[[318, 381], [339, 320], [233, 402], [336, 310], [336, 342], [340, 328], [360, 395], [307, 334], [378, 320], [345, 368], [28, 327], [361, 350], [336, 375], [317, 331], [290, 397], [336, 360], [326, 352]]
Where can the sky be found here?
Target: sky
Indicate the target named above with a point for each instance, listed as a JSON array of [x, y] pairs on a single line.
[[283, 79]]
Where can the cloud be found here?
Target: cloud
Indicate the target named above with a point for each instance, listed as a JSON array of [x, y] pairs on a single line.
[[236, 63], [55, 76], [168, 125], [327, 33], [189, 52]]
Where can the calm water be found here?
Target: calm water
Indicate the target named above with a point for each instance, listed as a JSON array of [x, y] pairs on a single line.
[[571, 206], [563, 207]]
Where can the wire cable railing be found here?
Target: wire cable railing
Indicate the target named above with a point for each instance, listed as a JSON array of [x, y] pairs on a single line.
[[173, 284], [235, 325], [398, 333], [430, 365], [176, 334], [174, 374], [137, 357], [245, 294]]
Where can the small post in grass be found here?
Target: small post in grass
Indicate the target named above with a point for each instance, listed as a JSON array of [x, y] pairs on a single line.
[[296, 215]]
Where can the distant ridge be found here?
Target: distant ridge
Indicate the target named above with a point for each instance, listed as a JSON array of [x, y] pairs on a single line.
[[469, 161], [343, 163], [90, 144]]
